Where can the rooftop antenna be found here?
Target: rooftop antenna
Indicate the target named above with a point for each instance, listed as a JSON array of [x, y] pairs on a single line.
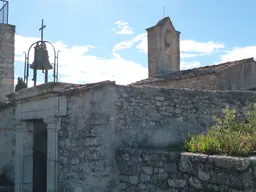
[[163, 11]]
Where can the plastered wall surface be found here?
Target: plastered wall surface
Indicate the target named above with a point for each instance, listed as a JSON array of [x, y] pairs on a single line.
[[87, 142], [7, 145]]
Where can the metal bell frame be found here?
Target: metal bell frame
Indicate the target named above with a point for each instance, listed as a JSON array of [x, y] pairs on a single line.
[[55, 65]]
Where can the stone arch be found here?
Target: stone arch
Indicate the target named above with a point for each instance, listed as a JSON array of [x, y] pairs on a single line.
[[168, 41]]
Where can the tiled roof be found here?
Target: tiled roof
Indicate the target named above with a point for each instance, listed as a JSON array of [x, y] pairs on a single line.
[[196, 72], [162, 22]]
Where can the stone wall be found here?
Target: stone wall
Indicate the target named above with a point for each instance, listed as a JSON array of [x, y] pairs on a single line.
[[240, 77], [7, 146], [86, 149], [7, 35], [159, 117], [106, 117], [151, 170]]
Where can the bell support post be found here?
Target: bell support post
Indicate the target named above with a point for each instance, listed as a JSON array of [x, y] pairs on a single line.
[[25, 68], [55, 58]]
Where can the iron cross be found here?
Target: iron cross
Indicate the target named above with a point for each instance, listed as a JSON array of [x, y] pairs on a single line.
[[42, 30], [163, 11]]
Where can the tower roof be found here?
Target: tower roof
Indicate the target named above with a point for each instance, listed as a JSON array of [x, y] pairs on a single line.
[[162, 22]]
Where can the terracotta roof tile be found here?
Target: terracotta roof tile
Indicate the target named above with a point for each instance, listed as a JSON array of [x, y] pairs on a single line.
[[196, 72]]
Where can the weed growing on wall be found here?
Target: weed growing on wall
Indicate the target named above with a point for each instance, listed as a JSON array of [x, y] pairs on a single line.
[[227, 136]]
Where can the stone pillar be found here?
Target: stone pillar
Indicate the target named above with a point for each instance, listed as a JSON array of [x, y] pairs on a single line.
[[53, 126], [18, 156], [24, 157], [7, 38]]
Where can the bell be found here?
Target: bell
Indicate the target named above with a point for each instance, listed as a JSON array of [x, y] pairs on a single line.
[[41, 58]]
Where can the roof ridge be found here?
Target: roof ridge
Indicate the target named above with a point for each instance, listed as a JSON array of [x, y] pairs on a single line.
[[195, 72], [223, 63]]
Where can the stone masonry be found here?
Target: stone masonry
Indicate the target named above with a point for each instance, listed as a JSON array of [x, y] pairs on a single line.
[[164, 65], [153, 170], [7, 35], [103, 137], [88, 125], [7, 147], [86, 146], [150, 116], [163, 48]]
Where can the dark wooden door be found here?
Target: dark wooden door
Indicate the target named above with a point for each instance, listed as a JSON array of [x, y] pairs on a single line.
[[40, 157]]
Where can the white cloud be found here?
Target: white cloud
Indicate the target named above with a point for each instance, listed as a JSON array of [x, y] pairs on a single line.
[[188, 48], [130, 43], [143, 45], [199, 47], [188, 55], [123, 45], [238, 53], [77, 65], [22, 44], [123, 28]]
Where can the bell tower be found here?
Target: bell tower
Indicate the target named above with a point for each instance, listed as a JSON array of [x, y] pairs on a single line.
[[41, 60], [163, 49], [7, 38]]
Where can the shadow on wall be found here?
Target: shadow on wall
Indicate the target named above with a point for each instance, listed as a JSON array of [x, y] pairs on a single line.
[[6, 184]]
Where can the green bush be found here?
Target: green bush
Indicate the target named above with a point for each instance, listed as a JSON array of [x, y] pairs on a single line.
[[228, 135], [20, 85]]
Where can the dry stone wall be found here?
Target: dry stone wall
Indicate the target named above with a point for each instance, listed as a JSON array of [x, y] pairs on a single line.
[[151, 170], [160, 117]]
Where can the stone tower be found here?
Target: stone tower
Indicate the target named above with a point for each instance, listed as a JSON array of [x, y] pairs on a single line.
[[7, 36], [163, 48]]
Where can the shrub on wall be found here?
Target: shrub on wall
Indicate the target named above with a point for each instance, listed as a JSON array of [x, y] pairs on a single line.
[[20, 85], [227, 136]]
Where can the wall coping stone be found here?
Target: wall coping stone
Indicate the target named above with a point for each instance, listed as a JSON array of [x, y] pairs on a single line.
[[51, 87], [188, 154]]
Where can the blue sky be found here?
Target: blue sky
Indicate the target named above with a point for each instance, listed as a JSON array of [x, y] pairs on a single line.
[[106, 39]]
